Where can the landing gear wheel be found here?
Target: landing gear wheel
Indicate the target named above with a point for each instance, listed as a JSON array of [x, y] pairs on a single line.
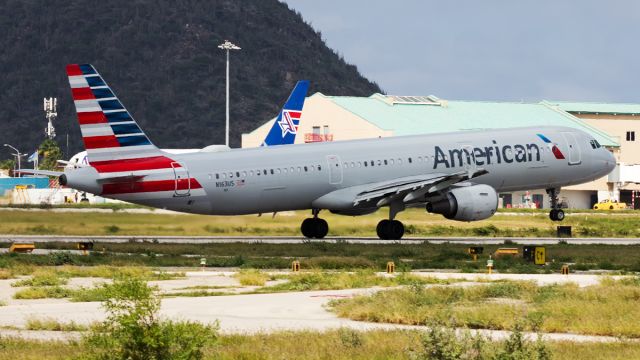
[[321, 228], [559, 215], [381, 229], [314, 228], [307, 227], [552, 215], [390, 230], [396, 230]]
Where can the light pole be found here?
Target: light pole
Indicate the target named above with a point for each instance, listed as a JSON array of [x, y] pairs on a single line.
[[227, 45], [17, 155]]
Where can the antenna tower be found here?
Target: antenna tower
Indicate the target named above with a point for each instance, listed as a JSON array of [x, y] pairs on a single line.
[[50, 111]]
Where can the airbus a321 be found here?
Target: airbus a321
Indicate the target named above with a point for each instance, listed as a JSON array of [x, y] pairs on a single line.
[[458, 175]]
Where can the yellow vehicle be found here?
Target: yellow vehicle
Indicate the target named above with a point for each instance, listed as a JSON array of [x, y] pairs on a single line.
[[610, 205]]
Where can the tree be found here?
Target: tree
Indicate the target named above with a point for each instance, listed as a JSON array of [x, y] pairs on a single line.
[[51, 153], [8, 164]]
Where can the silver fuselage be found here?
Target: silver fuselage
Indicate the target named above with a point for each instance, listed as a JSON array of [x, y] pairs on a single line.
[[291, 177]]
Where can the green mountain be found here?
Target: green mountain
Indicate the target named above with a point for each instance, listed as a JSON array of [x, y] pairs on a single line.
[[162, 60]]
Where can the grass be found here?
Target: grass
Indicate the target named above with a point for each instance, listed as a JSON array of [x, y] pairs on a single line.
[[419, 223], [41, 278], [252, 277], [335, 344], [317, 280], [607, 309], [53, 325], [46, 292], [319, 255]]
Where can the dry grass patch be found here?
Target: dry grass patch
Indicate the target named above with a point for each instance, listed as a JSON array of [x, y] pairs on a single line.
[[609, 309], [251, 277], [50, 324]]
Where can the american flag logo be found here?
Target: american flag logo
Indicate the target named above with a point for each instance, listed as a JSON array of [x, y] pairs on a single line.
[[289, 122]]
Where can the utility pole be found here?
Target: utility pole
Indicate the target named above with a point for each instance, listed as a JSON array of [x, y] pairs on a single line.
[[227, 45]]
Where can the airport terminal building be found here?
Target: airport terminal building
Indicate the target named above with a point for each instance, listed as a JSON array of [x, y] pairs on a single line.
[[338, 118]]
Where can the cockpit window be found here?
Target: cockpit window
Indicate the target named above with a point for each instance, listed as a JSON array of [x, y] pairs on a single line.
[[595, 144]]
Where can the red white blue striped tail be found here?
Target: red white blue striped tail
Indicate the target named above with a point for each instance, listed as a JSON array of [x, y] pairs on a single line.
[[108, 130]]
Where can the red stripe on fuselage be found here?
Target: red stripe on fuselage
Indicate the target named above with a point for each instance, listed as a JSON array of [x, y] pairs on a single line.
[[99, 142], [149, 186], [94, 117], [82, 94], [150, 163], [73, 70]]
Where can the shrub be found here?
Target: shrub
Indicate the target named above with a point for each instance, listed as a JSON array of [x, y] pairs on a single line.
[[133, 330]]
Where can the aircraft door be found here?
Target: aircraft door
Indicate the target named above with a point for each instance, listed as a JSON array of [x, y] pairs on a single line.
[[182, 180], [335, 170], [572, 148]]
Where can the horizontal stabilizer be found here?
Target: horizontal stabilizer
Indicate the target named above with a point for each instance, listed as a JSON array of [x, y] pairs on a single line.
[[40, 172], [120, 179]]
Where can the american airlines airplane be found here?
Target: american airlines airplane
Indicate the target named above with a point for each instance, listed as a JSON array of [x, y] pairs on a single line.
[[458, 175]]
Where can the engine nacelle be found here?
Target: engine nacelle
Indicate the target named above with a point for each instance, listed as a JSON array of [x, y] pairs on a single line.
[[83, 179], [466, 203]]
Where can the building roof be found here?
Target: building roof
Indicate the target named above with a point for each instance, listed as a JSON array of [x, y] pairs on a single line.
[[438, 116], [596, 108]]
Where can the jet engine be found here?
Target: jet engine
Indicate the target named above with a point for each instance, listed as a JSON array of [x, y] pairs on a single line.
[[466, 203]]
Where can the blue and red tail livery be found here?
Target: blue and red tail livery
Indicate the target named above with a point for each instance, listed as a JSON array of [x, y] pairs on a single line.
[[285, 127], [553, 146], [121, 153], [108, 130]]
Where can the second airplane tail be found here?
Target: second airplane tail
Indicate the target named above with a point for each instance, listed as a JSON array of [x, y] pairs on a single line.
[[285, 127]]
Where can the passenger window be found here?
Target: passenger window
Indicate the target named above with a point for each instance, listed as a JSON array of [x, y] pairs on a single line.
[[399, 161], [251, 173], [379, 162], [264, 172], [353, 164], [391, 161], [305, 169], [271, 170], [410, 161], [284, 170], [299, 169], [385, 162], [371, 162], [224, 176], [237, 173], [277, 171], [244, 174], [365, 164], [319, 168], [230, 175], [359, 164], [217, 176], [292, 169]]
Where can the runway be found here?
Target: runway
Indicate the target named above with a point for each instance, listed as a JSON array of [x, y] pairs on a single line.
[[302, 240]]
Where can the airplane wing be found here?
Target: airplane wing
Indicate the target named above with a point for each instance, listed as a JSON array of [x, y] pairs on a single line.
[[407, 189]]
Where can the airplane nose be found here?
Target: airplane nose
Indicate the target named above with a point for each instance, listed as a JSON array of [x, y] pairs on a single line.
[[609, 161]]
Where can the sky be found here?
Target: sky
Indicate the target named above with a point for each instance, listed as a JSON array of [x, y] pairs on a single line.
[[488, 50]]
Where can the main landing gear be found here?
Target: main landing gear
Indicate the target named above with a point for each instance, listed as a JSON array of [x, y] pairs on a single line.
[[314, 228], [390, 229], [556, 214]]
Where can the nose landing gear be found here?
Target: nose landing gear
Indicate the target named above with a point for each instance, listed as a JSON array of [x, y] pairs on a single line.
[[556, 213]]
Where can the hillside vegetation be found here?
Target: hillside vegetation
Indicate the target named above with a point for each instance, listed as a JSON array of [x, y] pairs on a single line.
[[161, 59]]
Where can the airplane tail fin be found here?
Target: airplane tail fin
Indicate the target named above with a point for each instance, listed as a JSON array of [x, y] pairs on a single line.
[[285, 127], [108, 130]]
